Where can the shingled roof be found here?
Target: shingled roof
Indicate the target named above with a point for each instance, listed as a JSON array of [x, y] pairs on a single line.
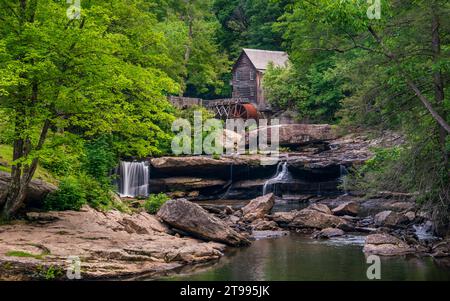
[[261, 58]]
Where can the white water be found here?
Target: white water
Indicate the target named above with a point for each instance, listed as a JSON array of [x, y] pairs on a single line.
[[282, 176], [424, 231], [343, 178], [133, 179]]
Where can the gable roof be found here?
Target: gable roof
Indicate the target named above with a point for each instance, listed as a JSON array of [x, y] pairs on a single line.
[[261, 58]]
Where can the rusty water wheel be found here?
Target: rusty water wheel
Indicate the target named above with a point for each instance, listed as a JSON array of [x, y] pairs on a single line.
[[244, 111]]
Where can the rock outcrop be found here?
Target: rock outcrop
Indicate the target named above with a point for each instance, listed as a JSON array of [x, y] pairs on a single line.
[[193, 219], [386, 245], [36, 192], [109, 245], [295, 134]]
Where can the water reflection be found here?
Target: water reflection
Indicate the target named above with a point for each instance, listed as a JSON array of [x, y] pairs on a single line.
[[296, 257]]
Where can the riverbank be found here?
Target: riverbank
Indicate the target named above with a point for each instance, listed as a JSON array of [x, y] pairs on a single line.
[[184, 236]]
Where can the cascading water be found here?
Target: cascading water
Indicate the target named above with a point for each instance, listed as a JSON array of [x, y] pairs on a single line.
[[133, 179], [424, 231], [282, 176], [342, 178]]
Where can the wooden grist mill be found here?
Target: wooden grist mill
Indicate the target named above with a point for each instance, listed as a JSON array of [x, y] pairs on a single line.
[[232, 108]]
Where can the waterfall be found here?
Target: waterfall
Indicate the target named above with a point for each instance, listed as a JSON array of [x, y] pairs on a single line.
[[282, 176], [424, 231], [342, 178], [133, 179]]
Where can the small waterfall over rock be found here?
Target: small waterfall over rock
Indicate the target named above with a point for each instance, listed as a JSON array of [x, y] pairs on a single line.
[[343, 172], [133, 179], [424, 231], [282, 176]]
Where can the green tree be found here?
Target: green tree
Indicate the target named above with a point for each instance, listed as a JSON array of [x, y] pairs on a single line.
[[315, 91], [99, 73], [398, 66], [198, 64], [248, 24]]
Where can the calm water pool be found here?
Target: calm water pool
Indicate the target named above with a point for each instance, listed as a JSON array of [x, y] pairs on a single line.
[[297, 257]]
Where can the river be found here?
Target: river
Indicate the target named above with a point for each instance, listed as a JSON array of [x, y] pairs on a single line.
[[297, 257]]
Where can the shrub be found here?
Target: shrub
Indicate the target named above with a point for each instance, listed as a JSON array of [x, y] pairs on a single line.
[[97, 194], [154, 202], [70, 195], [100, 159], [74, 192]]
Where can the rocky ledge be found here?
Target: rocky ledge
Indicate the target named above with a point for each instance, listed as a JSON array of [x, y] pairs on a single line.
[[109, 245]]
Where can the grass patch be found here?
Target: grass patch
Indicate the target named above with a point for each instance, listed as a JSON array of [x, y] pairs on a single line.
[[6, 152], [26, 254]]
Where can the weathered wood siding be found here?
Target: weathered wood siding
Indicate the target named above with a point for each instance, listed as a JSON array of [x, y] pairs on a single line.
[[245, 79], [260, 91]]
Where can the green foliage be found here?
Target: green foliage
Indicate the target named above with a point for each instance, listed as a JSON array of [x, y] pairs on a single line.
[[154, 202], [248, 24], [49, 272], [365, 69], [63, 154], [73, 192], [100, 159], [316, 93], [195, 59], [70, 195], [26, 254]]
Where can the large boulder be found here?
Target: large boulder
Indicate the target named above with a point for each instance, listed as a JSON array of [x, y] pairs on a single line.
[[347, 208], [387, 245], [36, 192], [390, 219], [308, 218], [258, 208], [193, 219], [311, 218]]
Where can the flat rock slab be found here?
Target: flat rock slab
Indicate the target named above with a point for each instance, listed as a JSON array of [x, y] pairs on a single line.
[[386, 245], [109, 245]]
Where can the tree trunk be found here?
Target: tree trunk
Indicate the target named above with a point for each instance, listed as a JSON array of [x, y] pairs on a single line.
[[21, 175], [441, 121], [187, 54], [437, 77]]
